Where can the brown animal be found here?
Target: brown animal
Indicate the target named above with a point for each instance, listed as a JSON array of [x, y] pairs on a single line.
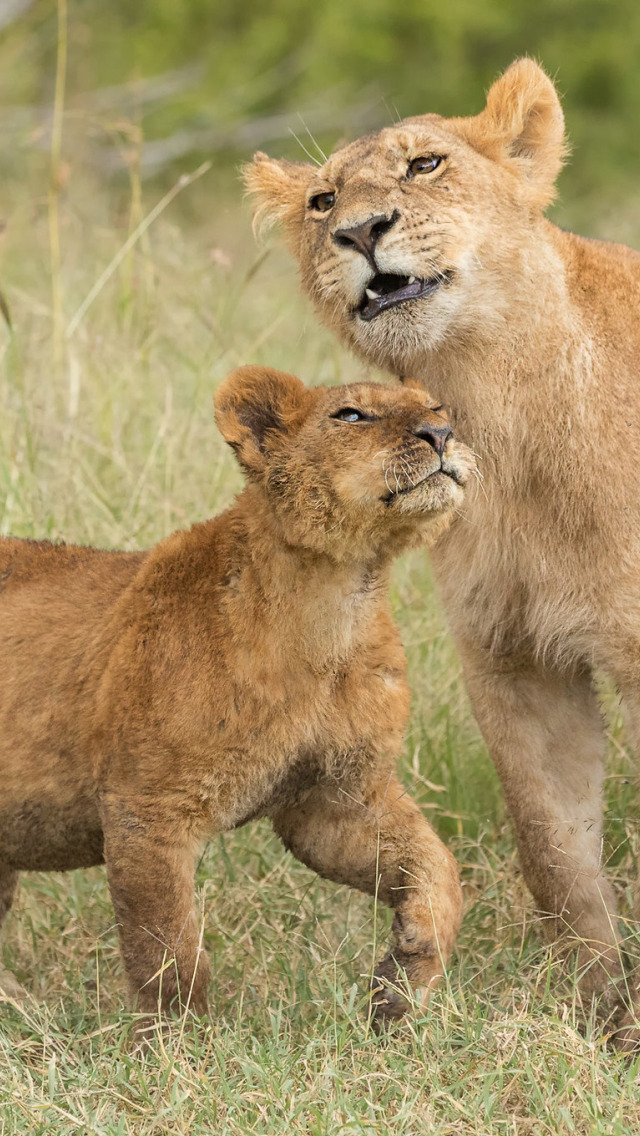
[[248, 667], [424, 246]]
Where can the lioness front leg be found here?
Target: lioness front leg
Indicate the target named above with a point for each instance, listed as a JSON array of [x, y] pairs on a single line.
[[150, 870], [545, 735], [378, 840], [628, 1033]]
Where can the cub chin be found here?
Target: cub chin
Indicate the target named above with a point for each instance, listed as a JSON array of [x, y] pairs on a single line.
[[248, 667]]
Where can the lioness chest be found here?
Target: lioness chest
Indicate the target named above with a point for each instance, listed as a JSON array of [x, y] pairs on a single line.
[[524, 582]]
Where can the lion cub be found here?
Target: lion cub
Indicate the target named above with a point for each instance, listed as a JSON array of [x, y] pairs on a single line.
[[246, 668]]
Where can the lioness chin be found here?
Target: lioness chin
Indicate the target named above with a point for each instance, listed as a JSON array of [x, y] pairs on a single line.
[[424, 246], [248, 667]]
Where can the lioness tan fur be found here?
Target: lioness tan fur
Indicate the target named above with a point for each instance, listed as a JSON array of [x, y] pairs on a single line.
[[247, 667], [532, 335]]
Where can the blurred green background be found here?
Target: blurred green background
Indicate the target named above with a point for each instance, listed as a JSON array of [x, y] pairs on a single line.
[[222, 77]]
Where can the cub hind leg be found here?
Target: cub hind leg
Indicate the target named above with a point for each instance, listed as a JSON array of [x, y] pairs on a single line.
[[9, 986]]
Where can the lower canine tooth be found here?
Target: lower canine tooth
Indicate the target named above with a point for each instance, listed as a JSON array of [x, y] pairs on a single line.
[[371, 294], [411, 280]]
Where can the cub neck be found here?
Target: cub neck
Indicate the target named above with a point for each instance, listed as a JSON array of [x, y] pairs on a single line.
[[320, 608]]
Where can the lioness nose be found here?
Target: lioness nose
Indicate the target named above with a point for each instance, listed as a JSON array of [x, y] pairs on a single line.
[[364, 237], [436, 436]]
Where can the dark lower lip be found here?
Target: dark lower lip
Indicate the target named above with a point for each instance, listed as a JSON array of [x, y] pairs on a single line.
[[410, 488], [418, 290]]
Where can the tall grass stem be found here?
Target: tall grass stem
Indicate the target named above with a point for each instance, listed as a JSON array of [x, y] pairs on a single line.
[[55, 184], [139, 231]]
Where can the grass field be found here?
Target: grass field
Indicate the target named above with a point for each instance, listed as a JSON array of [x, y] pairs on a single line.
[[107, 437]]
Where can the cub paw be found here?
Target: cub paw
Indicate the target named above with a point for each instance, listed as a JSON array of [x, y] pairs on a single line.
[[626, 1036], [393, 994], [10, 988], [388, 1003]]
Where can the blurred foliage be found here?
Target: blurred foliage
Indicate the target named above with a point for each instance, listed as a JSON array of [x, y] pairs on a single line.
[[338, 67]]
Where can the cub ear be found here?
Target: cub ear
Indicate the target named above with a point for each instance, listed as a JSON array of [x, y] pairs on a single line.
[[522, 126], [279, 188], [254, 406]]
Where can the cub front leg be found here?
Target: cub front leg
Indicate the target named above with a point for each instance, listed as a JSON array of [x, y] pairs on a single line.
[[150, 867], [9, 986], [378, 841]]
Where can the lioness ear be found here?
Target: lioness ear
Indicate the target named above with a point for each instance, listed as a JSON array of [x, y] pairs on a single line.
[[279, 188], [522, 125], [255, 405]]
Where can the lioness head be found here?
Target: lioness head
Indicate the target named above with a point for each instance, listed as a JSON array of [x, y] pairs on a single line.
[[347, 470], [410, 236]]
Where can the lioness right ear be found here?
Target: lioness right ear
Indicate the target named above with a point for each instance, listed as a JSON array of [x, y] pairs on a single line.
[[279, 188], [522, 126], [254, 406]]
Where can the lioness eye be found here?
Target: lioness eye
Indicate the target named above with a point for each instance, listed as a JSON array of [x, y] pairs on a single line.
[[322, 202], [350, 414], [423, 165]]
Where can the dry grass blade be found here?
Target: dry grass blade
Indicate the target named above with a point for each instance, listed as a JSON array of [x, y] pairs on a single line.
[[4, 309]]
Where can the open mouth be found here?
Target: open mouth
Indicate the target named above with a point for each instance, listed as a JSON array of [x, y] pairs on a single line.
[[388, 289]]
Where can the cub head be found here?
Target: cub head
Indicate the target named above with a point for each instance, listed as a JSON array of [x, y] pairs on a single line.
[[352, 471], [415, 234]]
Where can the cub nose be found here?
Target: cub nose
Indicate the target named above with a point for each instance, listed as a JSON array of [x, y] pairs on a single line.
[[364, 237], [436, 436]]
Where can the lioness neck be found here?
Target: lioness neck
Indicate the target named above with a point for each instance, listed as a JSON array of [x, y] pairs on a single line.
[[537, 395], [534, 350], [544, 396]]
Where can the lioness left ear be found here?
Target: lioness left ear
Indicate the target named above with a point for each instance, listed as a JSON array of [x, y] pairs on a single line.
[[279, 189], [255, 406], [522, 126]]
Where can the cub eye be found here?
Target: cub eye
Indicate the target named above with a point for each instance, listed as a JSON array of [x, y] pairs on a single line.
[[322, 202], [437, 409], [423, 165], [350, 414]]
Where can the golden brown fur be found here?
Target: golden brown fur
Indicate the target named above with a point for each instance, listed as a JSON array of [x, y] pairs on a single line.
[[247, 667], [532, 335]]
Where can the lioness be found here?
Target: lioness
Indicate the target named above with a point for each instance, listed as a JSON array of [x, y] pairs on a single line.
[[425, 247], [248, 667]]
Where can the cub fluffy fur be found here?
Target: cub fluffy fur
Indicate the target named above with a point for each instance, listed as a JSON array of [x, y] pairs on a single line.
[[532, 335], [248, 667]]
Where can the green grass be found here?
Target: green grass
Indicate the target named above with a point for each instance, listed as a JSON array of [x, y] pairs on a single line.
[[108, 438]]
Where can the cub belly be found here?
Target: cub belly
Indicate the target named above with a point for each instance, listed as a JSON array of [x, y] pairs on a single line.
[[47, 834]]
